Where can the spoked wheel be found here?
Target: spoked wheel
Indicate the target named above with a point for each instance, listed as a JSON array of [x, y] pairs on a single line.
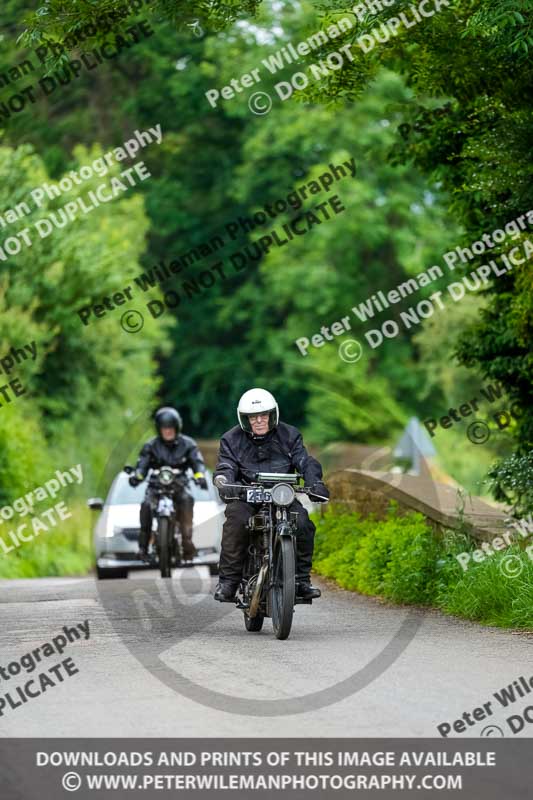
[[283, 588], [165, 548], [254, 623]]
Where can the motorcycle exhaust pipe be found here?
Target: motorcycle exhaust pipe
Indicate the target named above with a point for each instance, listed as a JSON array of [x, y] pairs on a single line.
[[256, 595]]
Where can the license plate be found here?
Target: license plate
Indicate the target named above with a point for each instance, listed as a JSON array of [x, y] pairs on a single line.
[[258, 496]]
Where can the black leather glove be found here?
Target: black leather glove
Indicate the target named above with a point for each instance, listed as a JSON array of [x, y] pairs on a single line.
[[200, 479], [135, 480], [220, 481], [318, 492]]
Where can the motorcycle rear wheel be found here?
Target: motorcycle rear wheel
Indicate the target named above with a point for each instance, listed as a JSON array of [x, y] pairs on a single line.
[[165, 545], [283, 587]]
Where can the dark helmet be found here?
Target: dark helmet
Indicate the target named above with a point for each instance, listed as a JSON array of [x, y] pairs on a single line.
[[167, 417]]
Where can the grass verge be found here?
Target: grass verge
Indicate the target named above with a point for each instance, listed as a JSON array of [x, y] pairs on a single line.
[[65, 549], [402, 559]]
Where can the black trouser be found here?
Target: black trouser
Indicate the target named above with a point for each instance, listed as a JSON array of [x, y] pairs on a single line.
[[183, 504], [236, 538]]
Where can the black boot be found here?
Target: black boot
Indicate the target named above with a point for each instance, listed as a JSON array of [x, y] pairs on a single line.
[[225, 592], [143, 555], [305, 591], [185, 518], [144, 538], [189, 550]]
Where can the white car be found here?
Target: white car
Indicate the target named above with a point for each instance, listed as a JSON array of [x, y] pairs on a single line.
[[116, 533]]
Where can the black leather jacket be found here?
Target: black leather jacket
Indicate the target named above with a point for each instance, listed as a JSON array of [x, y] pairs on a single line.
[[183, 452], [241, 455]]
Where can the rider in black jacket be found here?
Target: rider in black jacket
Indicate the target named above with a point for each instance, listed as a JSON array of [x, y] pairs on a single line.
[[261, 443], [169, 448]]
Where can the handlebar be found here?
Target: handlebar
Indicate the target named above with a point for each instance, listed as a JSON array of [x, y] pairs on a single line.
[[155, 472], [174, 471], [222, 484]]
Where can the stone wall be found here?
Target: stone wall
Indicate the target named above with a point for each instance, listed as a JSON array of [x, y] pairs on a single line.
[[371, 492]]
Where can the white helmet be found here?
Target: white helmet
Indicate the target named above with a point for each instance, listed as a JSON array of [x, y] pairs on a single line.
[[257, 401]]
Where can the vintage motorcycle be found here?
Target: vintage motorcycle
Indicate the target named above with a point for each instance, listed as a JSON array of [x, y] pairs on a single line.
[[268, 586], [164, 484]]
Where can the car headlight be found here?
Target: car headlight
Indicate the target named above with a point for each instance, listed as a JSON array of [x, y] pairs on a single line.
[[282, 494], [166, 476]]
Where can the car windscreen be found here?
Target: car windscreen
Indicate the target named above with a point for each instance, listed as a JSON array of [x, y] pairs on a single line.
[[121, 493]]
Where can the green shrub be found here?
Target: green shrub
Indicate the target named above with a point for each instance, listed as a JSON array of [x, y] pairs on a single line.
[[395, 558], [400, 558], [65, 549], [511, 481], [25, 461]]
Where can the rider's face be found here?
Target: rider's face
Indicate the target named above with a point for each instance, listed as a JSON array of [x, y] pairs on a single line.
[[259, 423], [168, 434]]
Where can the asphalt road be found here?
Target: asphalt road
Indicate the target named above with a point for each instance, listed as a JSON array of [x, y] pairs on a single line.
[[163, 659]]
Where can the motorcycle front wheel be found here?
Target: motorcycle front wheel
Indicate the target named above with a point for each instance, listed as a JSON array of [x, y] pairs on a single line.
[[283, 587], [165, 547]]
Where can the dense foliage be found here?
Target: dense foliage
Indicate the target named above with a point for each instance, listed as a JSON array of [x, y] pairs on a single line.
[[395, 558], [512, 482], [402, 560], [438, 123], [84, 383], [63, 550], [470, 126]]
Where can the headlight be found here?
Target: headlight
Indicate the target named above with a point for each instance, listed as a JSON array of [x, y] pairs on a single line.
[[166, 476], [282, 494]]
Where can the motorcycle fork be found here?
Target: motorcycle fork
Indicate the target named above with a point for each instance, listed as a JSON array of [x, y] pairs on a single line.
[[175, 530], [272, 539], [284, 527]]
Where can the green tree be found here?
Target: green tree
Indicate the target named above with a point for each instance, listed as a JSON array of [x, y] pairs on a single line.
[[242, 331], [84, 378], [470, 127]]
